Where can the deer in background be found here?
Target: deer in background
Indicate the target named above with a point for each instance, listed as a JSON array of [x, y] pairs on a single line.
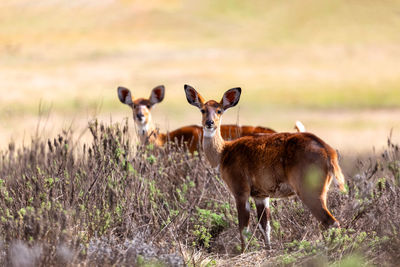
[[274, 165], [191, 135]]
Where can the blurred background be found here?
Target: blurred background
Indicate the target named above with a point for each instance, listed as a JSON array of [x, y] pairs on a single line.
[[334, 65]]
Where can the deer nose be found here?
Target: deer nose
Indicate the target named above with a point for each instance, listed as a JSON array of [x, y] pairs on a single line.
[[209, 123], [139, 116]]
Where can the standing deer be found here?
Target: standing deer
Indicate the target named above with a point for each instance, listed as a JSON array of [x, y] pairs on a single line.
[[192, 135], [275, 165]]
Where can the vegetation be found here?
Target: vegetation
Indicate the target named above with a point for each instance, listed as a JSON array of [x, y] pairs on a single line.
[[301, 58], [112, 202]]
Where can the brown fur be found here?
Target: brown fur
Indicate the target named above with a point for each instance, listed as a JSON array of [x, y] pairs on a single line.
[[272, 165], [193, 135], [232, 132], [258, 167]]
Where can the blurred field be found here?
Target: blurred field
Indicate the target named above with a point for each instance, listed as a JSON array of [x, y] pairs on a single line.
[[335, 65]]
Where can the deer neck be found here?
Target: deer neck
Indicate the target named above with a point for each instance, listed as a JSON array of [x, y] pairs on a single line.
[[213, 144], [144, 131], [149, 134]]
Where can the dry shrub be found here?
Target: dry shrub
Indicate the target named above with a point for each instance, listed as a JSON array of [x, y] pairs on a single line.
[[114, 202], [74, 201]]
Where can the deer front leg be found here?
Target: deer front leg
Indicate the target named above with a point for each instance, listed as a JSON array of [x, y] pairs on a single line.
[[243, 209]]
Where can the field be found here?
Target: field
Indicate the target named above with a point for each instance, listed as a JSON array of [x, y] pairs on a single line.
[[334, 65]]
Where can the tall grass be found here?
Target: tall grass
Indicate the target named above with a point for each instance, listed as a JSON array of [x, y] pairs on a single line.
[[113, 202]]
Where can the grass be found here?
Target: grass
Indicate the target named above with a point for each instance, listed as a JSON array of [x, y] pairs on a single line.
[[111, 202]]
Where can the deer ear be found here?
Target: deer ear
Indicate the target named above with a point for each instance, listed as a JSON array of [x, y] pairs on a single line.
[[157, 94], [231, 98], [193, 97], [125, 96]]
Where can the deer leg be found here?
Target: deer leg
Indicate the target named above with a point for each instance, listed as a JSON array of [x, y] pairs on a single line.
[[263, 214], [315, 199], [243, 209], [318, 208]]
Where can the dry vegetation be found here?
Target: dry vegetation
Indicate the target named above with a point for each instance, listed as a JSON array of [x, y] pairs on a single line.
[[111, 202], [94, 197]]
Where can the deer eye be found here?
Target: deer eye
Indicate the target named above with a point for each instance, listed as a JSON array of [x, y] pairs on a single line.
[[202, 111]]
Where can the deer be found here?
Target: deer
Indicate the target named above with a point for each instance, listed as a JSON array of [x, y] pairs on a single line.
[[277, 165], [191, 135]]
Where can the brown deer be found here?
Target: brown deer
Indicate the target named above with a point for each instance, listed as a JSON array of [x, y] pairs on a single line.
[[274, 165], [191, 135]]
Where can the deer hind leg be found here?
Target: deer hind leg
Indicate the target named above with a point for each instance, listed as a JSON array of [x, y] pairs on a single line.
[[243, 209], [314, 196], [320, 211], [263, 214]]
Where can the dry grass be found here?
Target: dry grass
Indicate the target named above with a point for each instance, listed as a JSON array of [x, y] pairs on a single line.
[[110, 202]]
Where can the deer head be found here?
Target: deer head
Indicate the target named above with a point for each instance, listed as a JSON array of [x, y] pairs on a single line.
[[212, 110], [141, 107]]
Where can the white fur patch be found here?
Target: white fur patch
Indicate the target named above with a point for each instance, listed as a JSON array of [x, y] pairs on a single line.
[[142, 129], [268, 235], [300, 127], [248, 206], [144, 120], [264, 201], [143, 109], [209, 133]]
